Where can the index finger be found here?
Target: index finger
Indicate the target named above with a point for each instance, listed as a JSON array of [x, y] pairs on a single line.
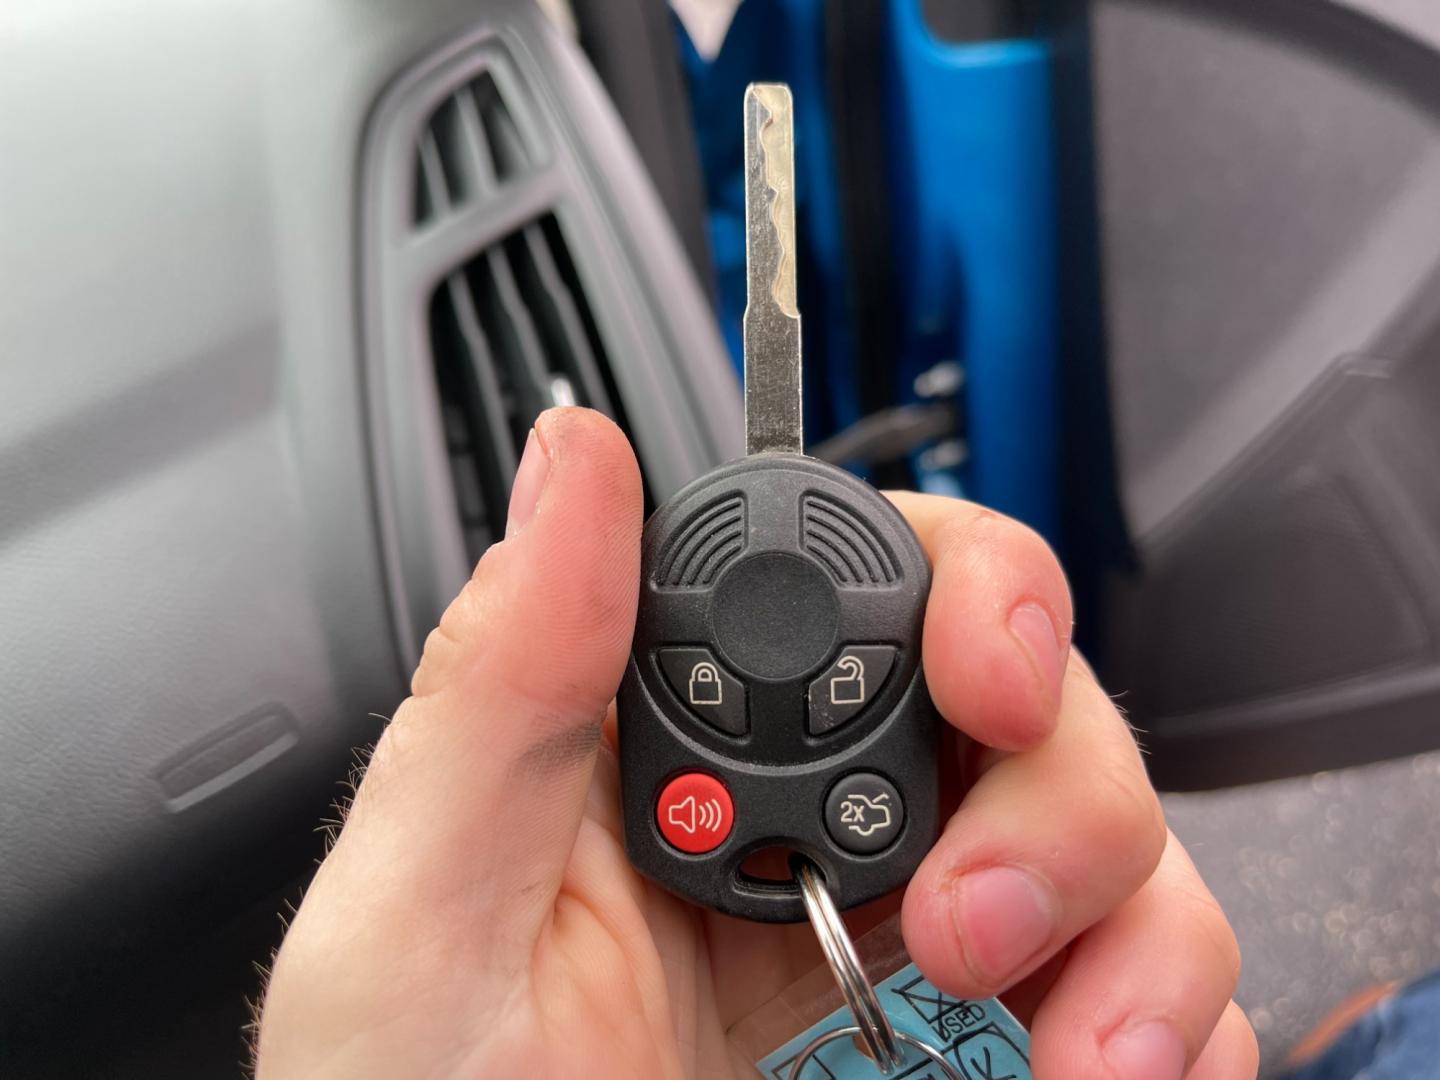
[[997, 627]]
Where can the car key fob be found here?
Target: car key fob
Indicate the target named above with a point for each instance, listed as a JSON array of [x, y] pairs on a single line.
[[774, 697]]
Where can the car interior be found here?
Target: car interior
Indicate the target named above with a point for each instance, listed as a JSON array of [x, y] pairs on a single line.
[[283, 287]]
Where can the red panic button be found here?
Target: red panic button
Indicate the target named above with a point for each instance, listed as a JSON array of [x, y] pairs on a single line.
[[695, 813]]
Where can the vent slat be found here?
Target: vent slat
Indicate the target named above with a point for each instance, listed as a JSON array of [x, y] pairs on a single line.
[[508, 150], [481, 466], [570, 277], [478, 157], [447, 132], [569, 343], [421, 208], [432, 173], [485, 398], [477, 144], [517, 343]]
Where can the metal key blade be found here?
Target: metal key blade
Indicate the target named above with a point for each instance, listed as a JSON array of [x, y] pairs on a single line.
[[773, 419]]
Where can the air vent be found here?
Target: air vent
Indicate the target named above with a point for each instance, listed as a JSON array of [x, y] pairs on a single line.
[[704, 545], [510, 331], [845, 543], [471, 145]]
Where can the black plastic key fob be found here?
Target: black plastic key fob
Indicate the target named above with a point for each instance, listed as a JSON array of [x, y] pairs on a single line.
[[775, 696]]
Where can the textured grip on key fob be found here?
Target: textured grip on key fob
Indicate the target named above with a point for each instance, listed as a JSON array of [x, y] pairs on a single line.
[[777, 652]]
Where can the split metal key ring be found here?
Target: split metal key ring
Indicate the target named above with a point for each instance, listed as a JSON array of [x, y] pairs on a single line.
[[873, 1026], [850, 1032]]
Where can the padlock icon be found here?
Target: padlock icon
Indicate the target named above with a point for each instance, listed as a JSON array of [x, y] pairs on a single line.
[[705, 686], [848, 688]]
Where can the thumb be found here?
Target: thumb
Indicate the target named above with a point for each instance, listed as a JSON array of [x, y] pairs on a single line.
[[474, 794]]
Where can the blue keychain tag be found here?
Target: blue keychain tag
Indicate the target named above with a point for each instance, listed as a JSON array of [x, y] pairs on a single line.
[[980, 1040], [808, 1031]]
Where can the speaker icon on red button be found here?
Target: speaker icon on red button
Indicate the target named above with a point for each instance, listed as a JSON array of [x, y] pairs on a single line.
[[695, 813]]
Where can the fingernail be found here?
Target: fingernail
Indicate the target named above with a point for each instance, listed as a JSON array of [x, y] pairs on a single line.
[[1150, 1050], [529, 483], [1035, 630], [1004, 918]]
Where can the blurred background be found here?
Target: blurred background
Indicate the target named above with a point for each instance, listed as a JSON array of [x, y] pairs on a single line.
[[282, 287]]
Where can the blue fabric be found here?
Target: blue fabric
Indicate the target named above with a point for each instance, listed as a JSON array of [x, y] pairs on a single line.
[[1397, 1040]]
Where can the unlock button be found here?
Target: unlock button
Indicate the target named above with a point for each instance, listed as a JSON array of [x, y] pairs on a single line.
[[848, 685]]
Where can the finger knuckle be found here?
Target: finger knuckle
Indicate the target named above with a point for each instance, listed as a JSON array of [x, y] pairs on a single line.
[[1020, 542], [456, 636], [1208, 920], [435, 657], [1133, 810], [1201, 914], [982, 536], [1032, 545], [1249, 1049]]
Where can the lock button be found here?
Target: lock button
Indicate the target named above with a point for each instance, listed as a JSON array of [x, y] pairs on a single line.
[[848, 685], [706, 689], [705, 685]]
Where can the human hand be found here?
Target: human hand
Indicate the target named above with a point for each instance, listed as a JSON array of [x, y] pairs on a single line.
[[477, 915]]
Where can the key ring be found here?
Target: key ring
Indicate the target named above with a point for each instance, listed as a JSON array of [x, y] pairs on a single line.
[[826, 1037], [873, 1026]]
